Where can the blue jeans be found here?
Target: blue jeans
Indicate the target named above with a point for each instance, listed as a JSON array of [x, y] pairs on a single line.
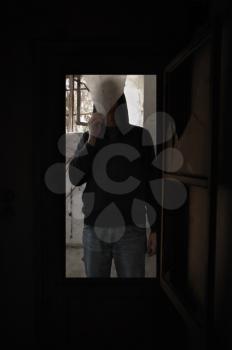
[[128, 250]]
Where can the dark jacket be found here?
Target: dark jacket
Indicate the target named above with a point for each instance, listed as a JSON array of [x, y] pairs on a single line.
[[117, 174]]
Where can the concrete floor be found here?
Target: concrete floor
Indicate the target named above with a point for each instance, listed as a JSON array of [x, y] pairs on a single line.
[[75, 266]]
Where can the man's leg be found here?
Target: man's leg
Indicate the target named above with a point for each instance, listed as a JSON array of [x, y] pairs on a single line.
[[129, 253], [97, 254]]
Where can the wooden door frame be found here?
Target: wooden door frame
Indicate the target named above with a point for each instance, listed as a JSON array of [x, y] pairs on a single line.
[[55, 294], [213, 34]]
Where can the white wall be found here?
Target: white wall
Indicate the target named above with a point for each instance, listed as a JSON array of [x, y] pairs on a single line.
[[74, 223], [134, 92], [150, 104]]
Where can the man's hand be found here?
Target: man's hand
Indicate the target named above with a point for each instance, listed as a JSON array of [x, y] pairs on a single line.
[[152, 243], [96, 125]]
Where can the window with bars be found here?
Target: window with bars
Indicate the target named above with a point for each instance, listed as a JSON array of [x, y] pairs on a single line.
[[78, 105]]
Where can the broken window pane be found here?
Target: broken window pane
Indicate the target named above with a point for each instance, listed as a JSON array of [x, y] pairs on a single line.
[[78, 103], [67, 96], [67, 81], [75, 102], [84, 118]]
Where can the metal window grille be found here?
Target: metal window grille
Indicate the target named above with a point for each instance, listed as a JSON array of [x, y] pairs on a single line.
[[79, 105]]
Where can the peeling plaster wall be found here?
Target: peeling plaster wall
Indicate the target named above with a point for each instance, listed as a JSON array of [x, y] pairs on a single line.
[[134, 92], [150, 105], [74, 215]]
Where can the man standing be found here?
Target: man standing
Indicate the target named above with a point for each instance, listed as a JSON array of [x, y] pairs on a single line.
[[114, 159]]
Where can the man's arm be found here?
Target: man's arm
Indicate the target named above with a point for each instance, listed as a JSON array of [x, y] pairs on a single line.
[[153, 207], [80, 165]]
